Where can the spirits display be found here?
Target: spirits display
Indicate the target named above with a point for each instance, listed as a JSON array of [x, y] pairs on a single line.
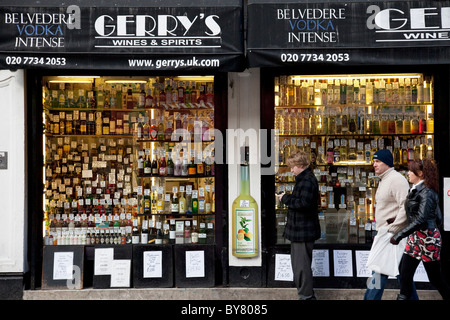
[[126, 160], [341, 121]]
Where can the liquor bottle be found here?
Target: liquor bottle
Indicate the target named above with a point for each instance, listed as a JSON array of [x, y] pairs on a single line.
[[408, 94], [187, 231], [147, 166], [336, 151], [414, 91], [415, 124], [404, 153], [175, 205], [361, 231], [210, 233], [352, 156], [201, 200], [330, 152], [202, 233], [135, 232], [353, 228], [343, 92], [194, 202], [160, 202], [430, 153], [144, 232], [430, 123], [62, 95], [148, 99], [194, 232], [399, 123], [172, 231], [422, 122], [129, 97], [177, 167], [81, 100], [182, 202], [192, 168], [116, 101], [397, 152], [147, 202], [213, 201], [100, 97], [207, 202], [343, 221], [323, 234], [184, 167], [155, 164], [245, 215], [154, 199], [160, 133], [141, 169], [200, 170], [163, 165], [159, 234], [331, 220]]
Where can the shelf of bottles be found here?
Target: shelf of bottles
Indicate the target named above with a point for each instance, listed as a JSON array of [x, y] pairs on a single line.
[[341, 121], [128, 161]]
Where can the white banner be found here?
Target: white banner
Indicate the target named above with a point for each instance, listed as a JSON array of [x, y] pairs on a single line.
[[446, 206]]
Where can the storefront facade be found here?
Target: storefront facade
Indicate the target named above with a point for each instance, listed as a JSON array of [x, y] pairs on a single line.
[[335, 78], [54, 56]]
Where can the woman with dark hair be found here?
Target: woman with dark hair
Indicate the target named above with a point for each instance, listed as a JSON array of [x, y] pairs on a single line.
[[424, 239]]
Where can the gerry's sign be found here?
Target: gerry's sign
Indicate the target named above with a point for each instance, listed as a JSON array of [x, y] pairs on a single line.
[[287, 32], [409, 25], [79, 37]]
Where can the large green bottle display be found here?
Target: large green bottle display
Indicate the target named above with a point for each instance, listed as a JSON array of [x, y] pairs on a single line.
[[244, 215]]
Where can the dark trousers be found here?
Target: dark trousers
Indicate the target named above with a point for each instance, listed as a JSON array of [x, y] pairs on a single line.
[[301, 258], [408, 267]]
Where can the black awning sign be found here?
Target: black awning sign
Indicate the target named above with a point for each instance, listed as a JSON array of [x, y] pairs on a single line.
[[295, 30], [172, 32]]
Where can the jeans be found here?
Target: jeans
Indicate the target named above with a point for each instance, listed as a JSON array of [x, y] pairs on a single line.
[[376, 284]]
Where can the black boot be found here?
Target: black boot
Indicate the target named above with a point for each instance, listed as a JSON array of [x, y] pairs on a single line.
[[402, 297]]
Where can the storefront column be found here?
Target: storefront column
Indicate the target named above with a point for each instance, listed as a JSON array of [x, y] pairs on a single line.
[[12, 185], [244, 125]]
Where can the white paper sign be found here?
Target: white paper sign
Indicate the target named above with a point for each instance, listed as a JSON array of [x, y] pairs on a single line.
[[446, 206], [103, 259], [320, 263], [195, 264], [152, 264], [120, 273], [421, 274], [361, 261], [62, 265], [283, 268], [342, 263]]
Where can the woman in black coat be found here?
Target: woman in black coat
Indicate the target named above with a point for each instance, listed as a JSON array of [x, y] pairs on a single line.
[[424, 239]]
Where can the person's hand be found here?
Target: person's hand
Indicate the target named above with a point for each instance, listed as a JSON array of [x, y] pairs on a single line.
[[390, 220], [393, 241], [280, 195]]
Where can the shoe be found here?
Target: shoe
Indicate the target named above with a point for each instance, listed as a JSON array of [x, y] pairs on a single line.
[[402, 297]]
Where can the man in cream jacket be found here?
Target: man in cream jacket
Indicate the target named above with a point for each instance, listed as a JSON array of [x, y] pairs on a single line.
[[390, 211]]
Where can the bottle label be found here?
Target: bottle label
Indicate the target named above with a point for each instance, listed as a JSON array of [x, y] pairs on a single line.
[[245, 231]]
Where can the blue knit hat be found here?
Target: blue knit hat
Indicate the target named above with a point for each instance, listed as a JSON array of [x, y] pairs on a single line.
[[385, 156]]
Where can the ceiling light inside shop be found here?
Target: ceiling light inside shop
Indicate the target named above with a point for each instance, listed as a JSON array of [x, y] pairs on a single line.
[[73, 79], [125, 81], [356, 76]]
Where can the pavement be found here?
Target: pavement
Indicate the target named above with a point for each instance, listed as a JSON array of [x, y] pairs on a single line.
[[216, 293]]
